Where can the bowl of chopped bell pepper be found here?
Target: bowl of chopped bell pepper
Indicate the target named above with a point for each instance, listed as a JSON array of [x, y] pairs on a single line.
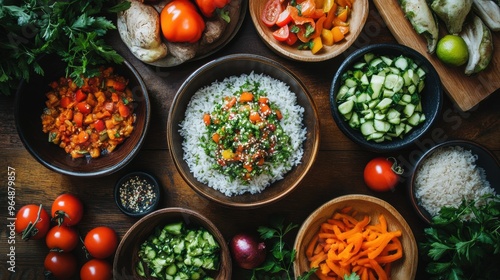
[[85, 128], [311, 30]]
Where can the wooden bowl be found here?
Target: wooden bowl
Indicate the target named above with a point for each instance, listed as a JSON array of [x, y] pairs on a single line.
[[431, 97], [29, 106], [126, 256], [357, 21], [234, 65], [404, 268], [485, 159]]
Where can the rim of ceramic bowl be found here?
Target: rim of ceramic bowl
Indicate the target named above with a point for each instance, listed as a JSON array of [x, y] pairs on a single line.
[[185, 173], [467, 144], [105, 171], [417, 132]]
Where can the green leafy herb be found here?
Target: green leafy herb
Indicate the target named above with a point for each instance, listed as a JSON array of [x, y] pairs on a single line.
[[73, 30], [279, 262], [464, 242], [352, 276]]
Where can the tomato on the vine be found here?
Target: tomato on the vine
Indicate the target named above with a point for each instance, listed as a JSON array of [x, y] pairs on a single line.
[[271, 12], [67, 209], [61, 265], [62, 238], [382, 174], [32, 221], [96, 269], [101, 242]]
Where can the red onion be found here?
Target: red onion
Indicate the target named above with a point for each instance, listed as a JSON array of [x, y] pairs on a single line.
[[247, 250]]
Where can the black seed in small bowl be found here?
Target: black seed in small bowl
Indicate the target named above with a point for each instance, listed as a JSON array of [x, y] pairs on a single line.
[[137, 194]]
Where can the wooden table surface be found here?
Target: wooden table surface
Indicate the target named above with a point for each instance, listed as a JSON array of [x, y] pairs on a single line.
[[337, 171]]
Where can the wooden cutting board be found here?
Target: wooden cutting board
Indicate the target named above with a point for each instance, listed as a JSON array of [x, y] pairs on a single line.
[[465, 91]]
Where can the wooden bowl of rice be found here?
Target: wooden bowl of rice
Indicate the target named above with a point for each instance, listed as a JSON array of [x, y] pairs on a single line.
[[191, 160], [450, 172], [358, 207]]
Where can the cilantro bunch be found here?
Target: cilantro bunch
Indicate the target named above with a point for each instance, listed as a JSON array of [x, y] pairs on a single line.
[[464, 242], [73, 30], [279, 261]]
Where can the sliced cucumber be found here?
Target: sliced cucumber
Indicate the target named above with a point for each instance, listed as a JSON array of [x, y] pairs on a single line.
[[380, 96]]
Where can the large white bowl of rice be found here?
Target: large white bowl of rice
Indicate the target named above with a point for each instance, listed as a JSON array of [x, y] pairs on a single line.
[[243, 131], [450, 173]]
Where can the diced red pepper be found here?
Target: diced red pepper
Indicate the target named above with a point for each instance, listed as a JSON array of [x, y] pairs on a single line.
[[80, 95], [84, 107], [99, 125]]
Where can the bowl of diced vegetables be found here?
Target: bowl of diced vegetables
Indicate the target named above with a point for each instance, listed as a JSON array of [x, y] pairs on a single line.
[[309, 30], [384, 97], [173, 243], [356, 236]]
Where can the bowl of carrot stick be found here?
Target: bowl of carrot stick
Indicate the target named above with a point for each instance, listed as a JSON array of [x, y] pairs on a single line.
[[356, 235]]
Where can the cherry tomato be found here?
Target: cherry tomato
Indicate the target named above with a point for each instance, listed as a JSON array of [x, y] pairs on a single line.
[[67, 209], [32, 221], [292, 38], [62, 237], [101, 242], [96, 269], [61, 265], [284, 18], [382, 174], [282, 34], [271, 11]]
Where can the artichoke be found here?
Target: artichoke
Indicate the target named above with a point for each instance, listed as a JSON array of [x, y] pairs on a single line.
[[423, 21], [489, 12], [452, 13], [479, 42]]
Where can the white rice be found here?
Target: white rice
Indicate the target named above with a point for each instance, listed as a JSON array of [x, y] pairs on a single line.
[[449, 176], [192, 129]]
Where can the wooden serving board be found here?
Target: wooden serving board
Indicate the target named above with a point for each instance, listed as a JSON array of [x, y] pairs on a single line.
[[465, 91]]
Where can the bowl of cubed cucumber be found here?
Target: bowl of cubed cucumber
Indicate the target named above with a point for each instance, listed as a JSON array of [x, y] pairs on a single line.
[[384, 97]]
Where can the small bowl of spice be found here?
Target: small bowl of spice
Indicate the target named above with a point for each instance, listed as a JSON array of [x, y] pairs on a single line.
[[137, 194]]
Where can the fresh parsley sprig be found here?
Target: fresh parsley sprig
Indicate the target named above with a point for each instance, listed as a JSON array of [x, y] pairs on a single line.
[[279, 261], [73, 30], [464, 242]]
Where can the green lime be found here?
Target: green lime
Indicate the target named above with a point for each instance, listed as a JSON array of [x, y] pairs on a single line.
[[452, 50]]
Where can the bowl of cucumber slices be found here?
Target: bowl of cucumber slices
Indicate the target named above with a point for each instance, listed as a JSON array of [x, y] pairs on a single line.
[[385, 96]]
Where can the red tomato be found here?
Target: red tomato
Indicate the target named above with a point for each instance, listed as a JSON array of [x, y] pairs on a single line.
[[284, 18], [67, 209], [61, 265], [30, 215], [96, 269], [101, 242], [282, 34], [382, 174], [292, 38], [271, 11], [62, 238]]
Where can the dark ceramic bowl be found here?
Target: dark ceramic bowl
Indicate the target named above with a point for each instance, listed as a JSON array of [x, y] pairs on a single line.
[[237, 65], [431, 97], [29, 106], [137, 194], [126, 256], [485, 160]]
